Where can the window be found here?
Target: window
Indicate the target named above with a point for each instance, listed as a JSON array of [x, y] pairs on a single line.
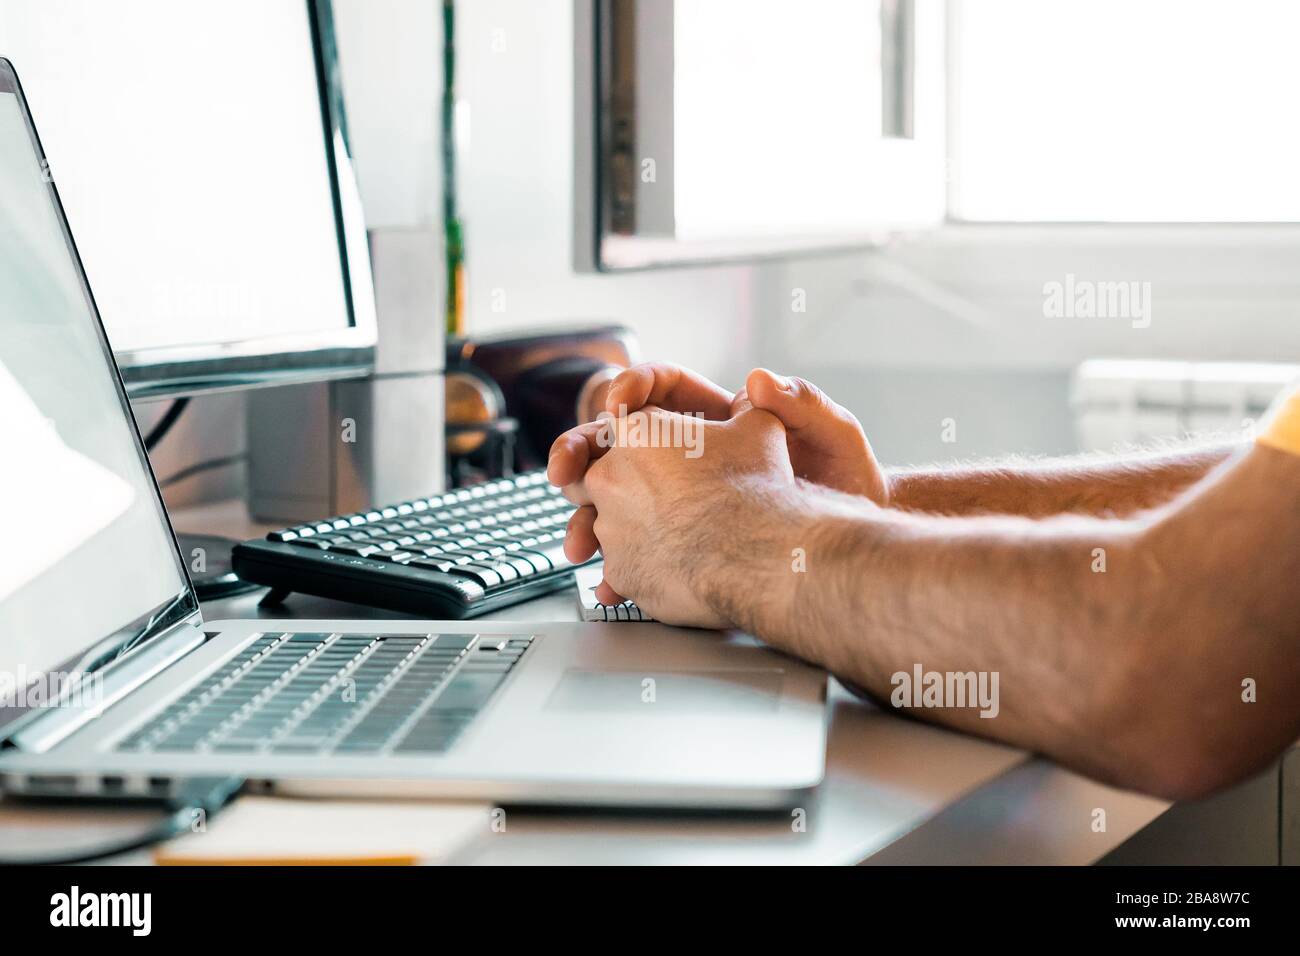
[[732, 129], [1125, 111]]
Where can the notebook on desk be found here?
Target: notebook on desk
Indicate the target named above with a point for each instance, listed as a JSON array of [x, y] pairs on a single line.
[[587, 579]]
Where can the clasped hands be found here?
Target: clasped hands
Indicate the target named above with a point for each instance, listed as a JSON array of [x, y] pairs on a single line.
[[666, 518]]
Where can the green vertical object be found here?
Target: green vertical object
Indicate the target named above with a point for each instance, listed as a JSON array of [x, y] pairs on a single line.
[[453, 235]]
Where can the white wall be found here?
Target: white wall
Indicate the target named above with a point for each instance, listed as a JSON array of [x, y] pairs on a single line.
[[952, 325], [390, 56]]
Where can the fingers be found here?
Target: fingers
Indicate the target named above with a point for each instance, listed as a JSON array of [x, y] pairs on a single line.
[[591, 398], [574, 451], [607, 595], [670, 387], [580, 538], [740, 403], [801, 406]]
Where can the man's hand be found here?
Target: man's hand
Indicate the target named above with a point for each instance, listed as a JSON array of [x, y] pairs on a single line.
[[825, 443], [667, 521]]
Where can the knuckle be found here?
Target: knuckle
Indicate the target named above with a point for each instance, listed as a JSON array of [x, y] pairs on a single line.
[[629, 378], [603, 531], [809, 393], [597, 475]]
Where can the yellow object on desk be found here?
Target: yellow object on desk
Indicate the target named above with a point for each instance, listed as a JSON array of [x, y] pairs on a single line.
[[281, 831], [1281, 428]]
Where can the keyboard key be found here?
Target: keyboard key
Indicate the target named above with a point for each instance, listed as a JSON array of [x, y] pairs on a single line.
[[553, 551], [432, 733], [477, 573], [432, 564], [359, 549], [319, 544], [468, 691], [522, 566], [453, 641], [539, 562]]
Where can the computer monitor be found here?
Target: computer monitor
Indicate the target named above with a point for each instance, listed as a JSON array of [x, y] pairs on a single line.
[[201, 152]]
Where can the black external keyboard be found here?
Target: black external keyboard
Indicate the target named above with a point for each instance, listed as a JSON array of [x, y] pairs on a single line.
[[453, 556]]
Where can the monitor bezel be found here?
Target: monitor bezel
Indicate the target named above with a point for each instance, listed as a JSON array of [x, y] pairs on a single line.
[[183, 605], [286, 359]]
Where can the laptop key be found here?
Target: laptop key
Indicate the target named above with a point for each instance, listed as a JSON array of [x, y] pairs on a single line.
[[467, 691], [453, 641]]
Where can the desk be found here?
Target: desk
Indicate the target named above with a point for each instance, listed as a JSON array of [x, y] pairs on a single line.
[[891, 783], [896, 791]]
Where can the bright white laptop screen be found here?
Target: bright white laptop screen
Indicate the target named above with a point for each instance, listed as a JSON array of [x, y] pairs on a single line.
[[188, 144], [89, 549]]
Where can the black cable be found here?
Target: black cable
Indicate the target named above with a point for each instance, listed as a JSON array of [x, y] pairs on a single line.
[[190, 470], [164, 424], [208, 794]]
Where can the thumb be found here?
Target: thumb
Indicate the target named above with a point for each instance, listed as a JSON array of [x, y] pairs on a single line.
[[801, 406], [826, 443]]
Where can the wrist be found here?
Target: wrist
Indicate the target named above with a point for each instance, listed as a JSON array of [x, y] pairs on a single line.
[[754, 581], [888, 489], [840, 535]]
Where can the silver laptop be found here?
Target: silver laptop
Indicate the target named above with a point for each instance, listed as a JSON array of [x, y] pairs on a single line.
[[113, 684]]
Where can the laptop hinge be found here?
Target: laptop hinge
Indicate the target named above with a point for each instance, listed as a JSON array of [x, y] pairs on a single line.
[[85, 697]]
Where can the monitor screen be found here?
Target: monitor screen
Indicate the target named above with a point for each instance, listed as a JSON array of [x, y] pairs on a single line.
[[92, 552], [195, 155]]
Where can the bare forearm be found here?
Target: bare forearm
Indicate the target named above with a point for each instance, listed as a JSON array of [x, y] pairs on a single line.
[[1038, 489], [885, 594], [1121, 647]]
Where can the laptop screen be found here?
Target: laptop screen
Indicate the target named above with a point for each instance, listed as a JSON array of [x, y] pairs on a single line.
[[88, 549]]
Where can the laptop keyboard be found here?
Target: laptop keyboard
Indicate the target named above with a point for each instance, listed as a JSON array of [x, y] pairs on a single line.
[[315, 693]]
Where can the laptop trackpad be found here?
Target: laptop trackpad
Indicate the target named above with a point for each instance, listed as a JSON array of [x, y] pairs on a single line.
[[723, 691]]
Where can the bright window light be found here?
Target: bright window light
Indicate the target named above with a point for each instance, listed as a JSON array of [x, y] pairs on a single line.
[[1127, 111]]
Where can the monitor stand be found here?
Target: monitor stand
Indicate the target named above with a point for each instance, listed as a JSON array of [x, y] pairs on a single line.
[[207, 560]]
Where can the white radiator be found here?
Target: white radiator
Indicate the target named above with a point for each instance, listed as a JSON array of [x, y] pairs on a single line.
[[1128, 401]]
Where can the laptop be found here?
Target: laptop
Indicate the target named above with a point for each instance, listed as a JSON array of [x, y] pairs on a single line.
[[113, 684]]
